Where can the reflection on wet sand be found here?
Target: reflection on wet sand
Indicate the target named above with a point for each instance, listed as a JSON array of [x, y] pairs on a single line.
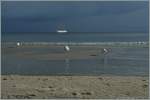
[[67, 61]]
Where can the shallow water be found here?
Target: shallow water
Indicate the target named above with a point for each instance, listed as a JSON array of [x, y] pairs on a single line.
[[119, 61]]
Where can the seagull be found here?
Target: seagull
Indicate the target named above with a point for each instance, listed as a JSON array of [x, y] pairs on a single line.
[[18, 44], [67, 48], [105, 50]]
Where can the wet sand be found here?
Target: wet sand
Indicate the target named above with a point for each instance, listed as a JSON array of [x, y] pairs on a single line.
[[80, 60], [94, 87], [57, 52], [61, 55]]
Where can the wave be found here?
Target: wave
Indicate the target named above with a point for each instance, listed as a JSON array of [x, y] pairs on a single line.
[[140, 43]]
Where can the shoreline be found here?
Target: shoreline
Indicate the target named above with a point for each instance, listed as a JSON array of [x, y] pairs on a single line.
[[83, 87], [74, 75], [114, 44]]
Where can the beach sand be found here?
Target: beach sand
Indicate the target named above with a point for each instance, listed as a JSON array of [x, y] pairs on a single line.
[[94, 87]]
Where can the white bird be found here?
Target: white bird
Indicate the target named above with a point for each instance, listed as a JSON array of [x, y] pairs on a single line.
[[67, 48], [18, 44], [105, 50]]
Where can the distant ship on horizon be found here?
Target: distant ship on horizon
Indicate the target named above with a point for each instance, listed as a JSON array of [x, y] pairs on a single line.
[[61, 29]]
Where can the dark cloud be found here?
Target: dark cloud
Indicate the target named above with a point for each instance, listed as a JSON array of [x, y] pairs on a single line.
[[77, 16]]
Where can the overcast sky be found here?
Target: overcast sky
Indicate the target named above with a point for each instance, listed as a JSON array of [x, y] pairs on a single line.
[[115, 16]]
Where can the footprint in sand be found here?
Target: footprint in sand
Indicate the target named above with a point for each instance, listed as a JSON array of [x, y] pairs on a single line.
[[4, 78], [86, 93], [74, 93], [145, 86]]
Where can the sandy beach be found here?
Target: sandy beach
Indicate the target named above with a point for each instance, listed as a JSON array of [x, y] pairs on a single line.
[[94, 87]]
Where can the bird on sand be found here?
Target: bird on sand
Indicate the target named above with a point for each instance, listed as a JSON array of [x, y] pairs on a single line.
[[67, 48]]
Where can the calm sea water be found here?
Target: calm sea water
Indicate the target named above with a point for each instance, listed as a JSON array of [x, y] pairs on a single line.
[[75, 37]]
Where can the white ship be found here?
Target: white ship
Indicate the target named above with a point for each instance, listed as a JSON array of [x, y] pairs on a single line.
[[62, 31]]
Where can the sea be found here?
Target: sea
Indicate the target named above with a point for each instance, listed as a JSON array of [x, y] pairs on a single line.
[[132, 61], [75, 37]]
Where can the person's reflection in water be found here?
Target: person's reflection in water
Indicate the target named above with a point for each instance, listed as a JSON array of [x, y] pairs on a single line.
[[105, 54], [105, 59], [102, 60], [66, 79], [67, 61]]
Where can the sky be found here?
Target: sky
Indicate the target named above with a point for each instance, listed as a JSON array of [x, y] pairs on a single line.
[[100, 16]]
